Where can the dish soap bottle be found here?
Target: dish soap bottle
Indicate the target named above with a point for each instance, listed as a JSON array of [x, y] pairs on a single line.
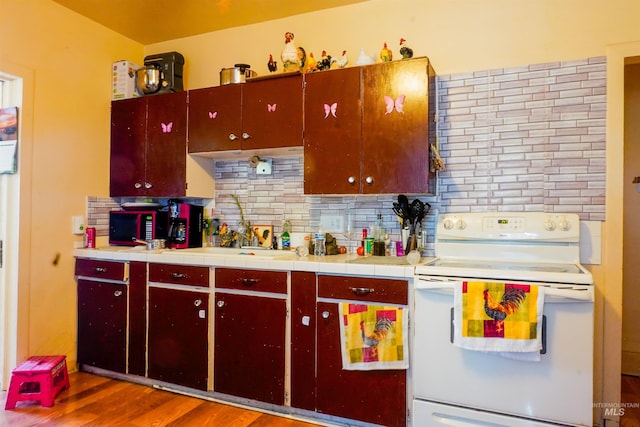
[[286, 238]]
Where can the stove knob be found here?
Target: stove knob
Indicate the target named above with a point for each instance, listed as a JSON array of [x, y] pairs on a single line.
[[448, 224], [549, 225], [460, 224], [565, 225]]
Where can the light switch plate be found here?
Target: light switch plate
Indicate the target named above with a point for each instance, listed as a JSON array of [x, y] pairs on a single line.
[[77, 224]]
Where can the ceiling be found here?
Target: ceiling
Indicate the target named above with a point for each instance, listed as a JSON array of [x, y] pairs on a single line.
[[174, 19]]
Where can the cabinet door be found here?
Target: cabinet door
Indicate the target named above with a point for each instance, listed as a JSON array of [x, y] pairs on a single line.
[[127, 167], [178, 337], [102, 322], [395, 127], [215, 114], [303, 340], [272, 113], [332, 131], [378, 397], [137, 318], [249, 355], [166, 148]]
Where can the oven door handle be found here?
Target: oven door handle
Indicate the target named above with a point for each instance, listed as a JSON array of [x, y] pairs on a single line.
[[552, 295]]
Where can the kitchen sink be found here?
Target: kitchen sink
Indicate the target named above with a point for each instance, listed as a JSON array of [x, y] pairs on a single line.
[[215, 250]]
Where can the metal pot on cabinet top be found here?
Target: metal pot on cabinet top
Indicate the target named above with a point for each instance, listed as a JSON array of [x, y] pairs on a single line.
[[238, 74]]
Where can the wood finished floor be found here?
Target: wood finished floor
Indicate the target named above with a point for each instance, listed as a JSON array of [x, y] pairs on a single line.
[[97, 401], [630, 391]]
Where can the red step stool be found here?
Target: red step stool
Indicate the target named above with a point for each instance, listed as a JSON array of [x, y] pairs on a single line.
[[38, 378]]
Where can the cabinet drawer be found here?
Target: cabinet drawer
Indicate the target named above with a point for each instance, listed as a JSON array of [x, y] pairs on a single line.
[[111, 270], [254, 280], [393, 291], [189, 275]]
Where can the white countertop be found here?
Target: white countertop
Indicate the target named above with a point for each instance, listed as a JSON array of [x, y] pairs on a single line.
[[347, 264]]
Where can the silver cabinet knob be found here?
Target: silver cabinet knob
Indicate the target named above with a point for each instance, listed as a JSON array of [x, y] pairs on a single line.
[[197, 303], [232, 137], [137, 185], [325, 314], [117, 293], [369, 180], [220, 304], [351, 179], [148, 185], [245, 135]]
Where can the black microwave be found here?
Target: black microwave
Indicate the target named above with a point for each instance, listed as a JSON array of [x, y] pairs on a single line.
[[125, 227]]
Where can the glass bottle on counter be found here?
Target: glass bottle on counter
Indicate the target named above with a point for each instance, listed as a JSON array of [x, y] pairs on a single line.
[[286, 238], [379, 237]]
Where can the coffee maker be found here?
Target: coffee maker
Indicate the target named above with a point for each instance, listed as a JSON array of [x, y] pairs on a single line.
[[170, 65], [185, 225]]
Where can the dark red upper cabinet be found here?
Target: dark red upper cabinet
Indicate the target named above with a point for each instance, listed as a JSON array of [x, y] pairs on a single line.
[[148, 146], [254, 115], [375, 134]]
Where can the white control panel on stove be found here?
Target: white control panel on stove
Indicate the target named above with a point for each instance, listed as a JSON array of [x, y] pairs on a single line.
[[531, 226]]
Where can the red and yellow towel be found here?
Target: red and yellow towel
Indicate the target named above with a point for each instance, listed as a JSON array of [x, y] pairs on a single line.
[[499, 317], [373, 337]]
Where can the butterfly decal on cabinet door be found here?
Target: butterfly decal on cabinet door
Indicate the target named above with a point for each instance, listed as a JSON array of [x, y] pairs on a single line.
[[398, 104], [213, 115], [166, 128], [271, 107], [330, 109]]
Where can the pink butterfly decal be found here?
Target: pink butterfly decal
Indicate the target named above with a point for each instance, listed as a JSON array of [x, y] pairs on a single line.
[[166, 128], [213, 115], [330, 109], [271, 107], [398, 104]]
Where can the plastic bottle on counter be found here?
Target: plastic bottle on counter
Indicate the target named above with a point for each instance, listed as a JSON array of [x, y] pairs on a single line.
[[319, 242], [286, 238]]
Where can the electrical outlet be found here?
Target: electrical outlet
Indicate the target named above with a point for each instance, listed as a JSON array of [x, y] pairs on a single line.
[[264, 167], [77, 224], [332, 223]]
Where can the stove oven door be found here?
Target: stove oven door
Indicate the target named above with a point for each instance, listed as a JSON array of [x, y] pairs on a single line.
[[458, 387]]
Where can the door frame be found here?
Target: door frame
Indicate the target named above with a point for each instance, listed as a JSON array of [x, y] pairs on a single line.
[[14, 297]]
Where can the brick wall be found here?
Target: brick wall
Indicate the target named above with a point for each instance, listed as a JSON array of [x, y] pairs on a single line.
[[527, 138]]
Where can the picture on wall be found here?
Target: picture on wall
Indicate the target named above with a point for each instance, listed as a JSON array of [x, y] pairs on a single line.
[[8, 140]]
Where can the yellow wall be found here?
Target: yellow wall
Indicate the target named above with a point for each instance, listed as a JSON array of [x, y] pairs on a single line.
[[70, 58], [65, 60]]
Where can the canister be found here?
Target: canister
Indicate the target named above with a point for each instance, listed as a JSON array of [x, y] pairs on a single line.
[[368, 246]]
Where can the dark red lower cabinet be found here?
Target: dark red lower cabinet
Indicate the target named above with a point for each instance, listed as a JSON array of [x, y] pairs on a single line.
[[249, 355], [178, 337], [102, 323]]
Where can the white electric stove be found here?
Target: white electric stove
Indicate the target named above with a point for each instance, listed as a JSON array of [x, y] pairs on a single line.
[[459, 387]]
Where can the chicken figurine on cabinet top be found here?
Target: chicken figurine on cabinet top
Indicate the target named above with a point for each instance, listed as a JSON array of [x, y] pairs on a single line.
[[293, 58], [312, 64], [385, 54], [272, 65], [405, 50], [325, 61], [342, 60]]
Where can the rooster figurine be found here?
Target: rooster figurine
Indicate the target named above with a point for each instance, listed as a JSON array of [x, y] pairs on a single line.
[[385, 54], [325, 61], [405, 50], [380, 330], [272, 65], [510, 303], [312, 64], [342, 60], [293, 58]]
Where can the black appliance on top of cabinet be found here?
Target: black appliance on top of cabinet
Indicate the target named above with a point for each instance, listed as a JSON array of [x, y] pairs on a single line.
[[185, 225], [170, 65]]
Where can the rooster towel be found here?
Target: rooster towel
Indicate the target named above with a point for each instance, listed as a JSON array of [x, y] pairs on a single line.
[[499, 317], [373, 337]]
